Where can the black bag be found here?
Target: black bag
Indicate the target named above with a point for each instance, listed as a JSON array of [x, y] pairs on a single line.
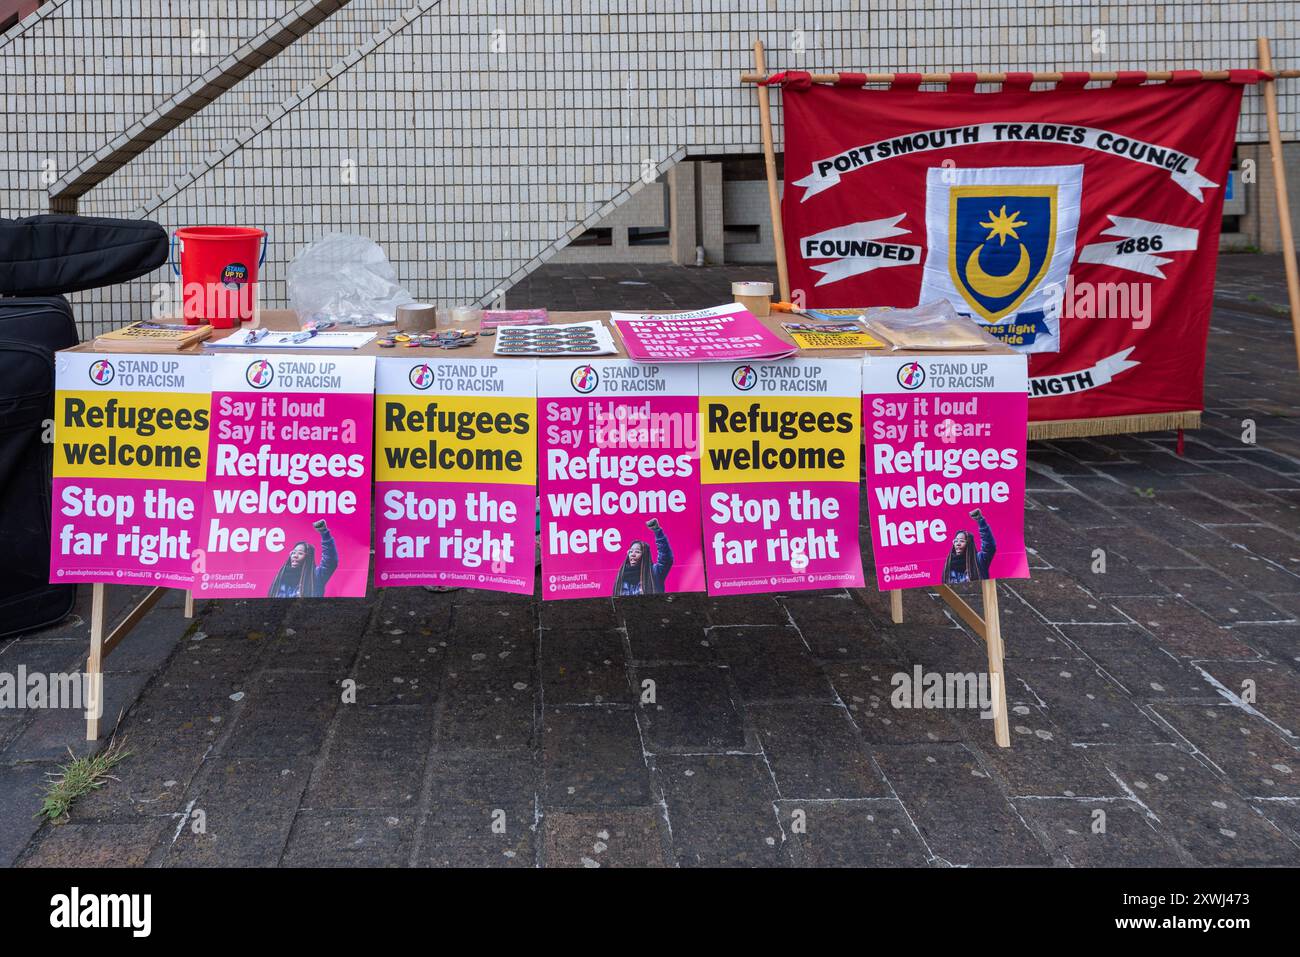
[[31, 330], [41, 257], [52, 255]]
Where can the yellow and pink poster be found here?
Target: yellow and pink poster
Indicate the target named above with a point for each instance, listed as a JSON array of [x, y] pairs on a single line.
[[287, 506], [456, 473], [781, 457], [945, 442], [620, 478], [130, 454]]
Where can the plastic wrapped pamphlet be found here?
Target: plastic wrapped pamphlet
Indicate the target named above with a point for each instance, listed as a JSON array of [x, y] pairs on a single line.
[[933, 326]]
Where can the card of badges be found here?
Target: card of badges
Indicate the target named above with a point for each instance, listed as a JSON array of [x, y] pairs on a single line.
[[571, 339]]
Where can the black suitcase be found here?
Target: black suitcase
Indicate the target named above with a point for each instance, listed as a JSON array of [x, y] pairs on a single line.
[[31, 331]]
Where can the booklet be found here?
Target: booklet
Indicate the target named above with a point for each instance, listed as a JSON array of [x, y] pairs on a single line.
[[150, 335], [729, 333], [833, 332]]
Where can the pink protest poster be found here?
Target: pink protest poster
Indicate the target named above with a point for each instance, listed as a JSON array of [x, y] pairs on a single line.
[[456, 473], [945, 455], [287, 507], [729, 333], [780, 462], [619, 478], [130, 452]]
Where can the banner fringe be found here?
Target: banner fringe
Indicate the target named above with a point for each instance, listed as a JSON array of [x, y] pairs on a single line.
[[1113, 425]]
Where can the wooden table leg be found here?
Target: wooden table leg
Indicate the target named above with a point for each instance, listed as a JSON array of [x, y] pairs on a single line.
[[95, 663], [997, 676], [896, 606]]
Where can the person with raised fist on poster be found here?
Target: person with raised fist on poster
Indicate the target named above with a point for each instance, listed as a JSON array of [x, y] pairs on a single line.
[[966, 562], [300, 576], [641, 575]]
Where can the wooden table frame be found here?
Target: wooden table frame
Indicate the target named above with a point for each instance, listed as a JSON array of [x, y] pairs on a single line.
[[103, 640], [101, 644], [989, 628]]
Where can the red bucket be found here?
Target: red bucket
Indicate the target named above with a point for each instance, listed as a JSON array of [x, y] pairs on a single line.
[[218, 270]]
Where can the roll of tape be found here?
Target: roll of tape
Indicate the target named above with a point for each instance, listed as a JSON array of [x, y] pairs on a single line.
[[417, 317]]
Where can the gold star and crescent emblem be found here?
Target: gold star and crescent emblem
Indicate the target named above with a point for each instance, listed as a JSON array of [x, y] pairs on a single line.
[[1001, 226]]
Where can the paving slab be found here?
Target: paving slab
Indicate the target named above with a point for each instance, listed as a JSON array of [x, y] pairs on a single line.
[[1243, 747], [482, 709], [866, 689], [593, 757], [961, 813], [95, 845], [689, 708], [722, 811], [1201, 811], [615, 838], [1272, 689], [771, 663], [21, 788], [1042, 761], [662, 630], [375, 758], [863, 833], [1086, 704], [371, 838], [814, 751], [1278, 642], [1091, 833], [584, 667], [240, 814], [1182, 629]]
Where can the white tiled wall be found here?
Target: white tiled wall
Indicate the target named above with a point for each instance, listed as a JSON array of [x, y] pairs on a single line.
[[745, 203], [473, 138]]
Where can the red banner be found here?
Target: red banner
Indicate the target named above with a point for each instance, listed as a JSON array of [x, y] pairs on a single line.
[[1079, 226]]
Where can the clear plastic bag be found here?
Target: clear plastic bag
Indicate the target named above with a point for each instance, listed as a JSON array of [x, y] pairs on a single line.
[[934, 325], [347, 280]]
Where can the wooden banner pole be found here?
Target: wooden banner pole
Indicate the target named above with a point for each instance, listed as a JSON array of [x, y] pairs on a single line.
[[1048, 76], [1279, 191], [769, 162]]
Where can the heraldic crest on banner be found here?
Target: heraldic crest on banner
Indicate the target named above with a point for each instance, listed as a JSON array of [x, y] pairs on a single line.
[[1000, 241]]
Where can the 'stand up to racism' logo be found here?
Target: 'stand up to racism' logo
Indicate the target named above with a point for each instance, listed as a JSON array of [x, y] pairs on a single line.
[[235, 274], [259, 374], [744, 378], [585, 379], [421, 376], [101, 372], [911, 375]]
